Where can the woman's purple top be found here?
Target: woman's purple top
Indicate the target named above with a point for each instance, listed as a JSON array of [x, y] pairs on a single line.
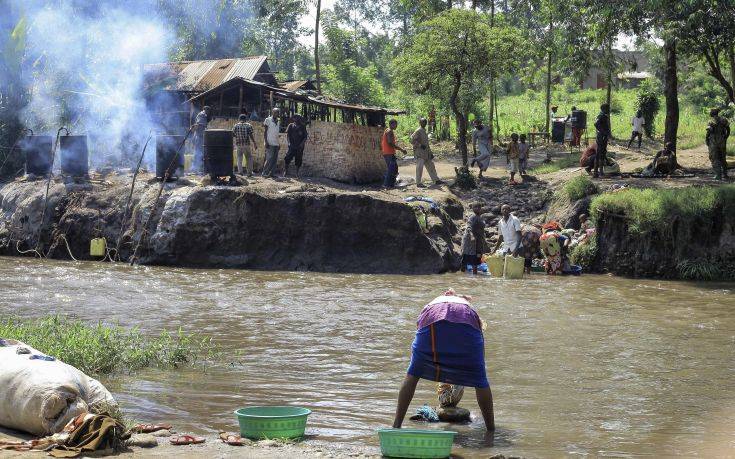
[[450, 308]]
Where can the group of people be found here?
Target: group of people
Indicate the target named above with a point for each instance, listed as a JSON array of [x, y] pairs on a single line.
[[516, 154], [421, 151], [245, 143]]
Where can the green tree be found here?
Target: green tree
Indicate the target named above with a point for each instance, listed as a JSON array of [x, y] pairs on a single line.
[[454, 54]]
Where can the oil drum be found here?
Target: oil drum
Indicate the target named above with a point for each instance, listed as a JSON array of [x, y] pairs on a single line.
[[579, 119], [74, 155], [557, 132], [167, 162], [218, 152], [37, 150]]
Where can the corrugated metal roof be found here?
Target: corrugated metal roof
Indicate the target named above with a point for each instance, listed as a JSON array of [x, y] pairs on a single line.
[[284, 93], [198, 76], [294, 85]]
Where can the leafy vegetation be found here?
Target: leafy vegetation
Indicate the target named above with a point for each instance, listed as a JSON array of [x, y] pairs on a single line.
[[579, 187], [584, 254], [102, 349], [647, 101], [656, 209]]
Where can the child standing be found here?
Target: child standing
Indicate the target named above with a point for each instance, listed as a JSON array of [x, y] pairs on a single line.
[[523, 149], [513, 155]]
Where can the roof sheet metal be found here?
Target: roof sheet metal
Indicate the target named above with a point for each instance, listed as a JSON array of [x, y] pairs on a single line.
[[294, 85], [245, 68], [198, 76]]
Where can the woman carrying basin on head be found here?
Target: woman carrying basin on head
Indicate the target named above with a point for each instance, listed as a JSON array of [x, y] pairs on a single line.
[[449, 348]]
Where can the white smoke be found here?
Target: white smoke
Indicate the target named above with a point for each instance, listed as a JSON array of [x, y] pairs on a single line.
[[84, 64]]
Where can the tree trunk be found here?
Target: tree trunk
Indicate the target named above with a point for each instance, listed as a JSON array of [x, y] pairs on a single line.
[[491, 103], [610, 64], [713, 61], [461, 120], [497, 118], [731, 60], [548, 74], [671, 92], [316, 47]]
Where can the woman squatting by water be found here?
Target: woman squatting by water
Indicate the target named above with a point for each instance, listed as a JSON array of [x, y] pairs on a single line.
[[449, 347]]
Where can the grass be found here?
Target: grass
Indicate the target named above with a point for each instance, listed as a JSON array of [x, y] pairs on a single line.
[[584, 254], [579, 187], [656, 209], [101, 349], [571, 160]]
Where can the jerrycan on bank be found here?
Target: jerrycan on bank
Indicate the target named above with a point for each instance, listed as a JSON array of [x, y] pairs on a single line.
[[495, 265], [514, 267], [97, 247]]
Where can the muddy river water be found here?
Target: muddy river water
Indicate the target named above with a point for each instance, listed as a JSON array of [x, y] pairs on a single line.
[[589, 366]]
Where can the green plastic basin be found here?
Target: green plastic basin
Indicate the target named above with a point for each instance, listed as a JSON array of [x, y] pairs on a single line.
[[258, 422], [416, 443]]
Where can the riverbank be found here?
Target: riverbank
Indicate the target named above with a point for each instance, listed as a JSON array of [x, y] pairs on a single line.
[[314, 224]]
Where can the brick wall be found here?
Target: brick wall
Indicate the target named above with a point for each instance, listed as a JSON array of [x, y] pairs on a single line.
[[339, 151]]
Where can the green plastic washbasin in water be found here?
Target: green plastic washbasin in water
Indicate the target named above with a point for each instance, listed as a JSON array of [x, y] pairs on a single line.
[[258, 422], [417, 443]]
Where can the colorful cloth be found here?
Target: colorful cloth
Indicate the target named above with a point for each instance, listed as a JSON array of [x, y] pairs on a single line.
[[452, 353], [552, 244], [451, 308]]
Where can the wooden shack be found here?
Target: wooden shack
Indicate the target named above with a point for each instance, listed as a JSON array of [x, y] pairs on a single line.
[[344, 139]]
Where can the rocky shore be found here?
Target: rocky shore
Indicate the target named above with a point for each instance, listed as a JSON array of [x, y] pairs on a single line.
[[264, 224]]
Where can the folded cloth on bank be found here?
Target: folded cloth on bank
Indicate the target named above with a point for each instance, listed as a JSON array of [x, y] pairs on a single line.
[[87, 433], [452, 353], [40, 395]]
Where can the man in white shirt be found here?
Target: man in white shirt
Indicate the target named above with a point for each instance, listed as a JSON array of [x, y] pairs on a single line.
[[637, 121], [509, 230], [272, 144]]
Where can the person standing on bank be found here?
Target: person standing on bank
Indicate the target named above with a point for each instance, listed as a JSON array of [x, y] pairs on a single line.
[[272, 144], [718, 130], [297, 134], [637, 121], [388, 147], [200, 125], [423, 155], [449, 347], [243, 134], [602, 124], [509, 233], [482, 139]]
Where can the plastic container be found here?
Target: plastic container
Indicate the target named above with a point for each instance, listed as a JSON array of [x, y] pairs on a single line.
[[574, 270], [495, 265], [97, 247], [258, 422], [188, 159], [416, 443], [513, 267]]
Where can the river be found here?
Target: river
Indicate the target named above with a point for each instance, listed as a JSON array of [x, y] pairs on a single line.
[[587, 366]]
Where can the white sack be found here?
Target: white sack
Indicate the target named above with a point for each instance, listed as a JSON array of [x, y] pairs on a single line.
[[41, 397]]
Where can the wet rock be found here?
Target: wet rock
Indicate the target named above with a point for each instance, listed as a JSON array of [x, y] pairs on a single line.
[[453, 414], [161, 433], [143, 440]]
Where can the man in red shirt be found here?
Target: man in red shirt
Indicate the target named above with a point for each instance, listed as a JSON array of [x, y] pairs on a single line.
[[388, 147]]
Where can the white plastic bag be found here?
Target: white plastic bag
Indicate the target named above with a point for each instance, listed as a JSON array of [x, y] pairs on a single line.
[[39, 396]]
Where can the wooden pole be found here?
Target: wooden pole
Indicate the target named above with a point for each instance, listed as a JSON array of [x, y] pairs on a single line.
[[239, 104]]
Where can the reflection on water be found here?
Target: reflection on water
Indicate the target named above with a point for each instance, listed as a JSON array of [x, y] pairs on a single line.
[[593, 365]]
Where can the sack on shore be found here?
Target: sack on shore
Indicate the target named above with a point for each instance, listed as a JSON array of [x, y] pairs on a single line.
[[40, 394]]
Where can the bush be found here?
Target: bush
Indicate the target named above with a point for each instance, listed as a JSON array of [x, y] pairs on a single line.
[[656, 209], [101, 349], [584, 254], [648, 103], [579, 187], [465, 178]]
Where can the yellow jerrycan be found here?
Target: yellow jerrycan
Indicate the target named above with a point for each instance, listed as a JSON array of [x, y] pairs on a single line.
[[495, 265], [514, 267], [97, 247]]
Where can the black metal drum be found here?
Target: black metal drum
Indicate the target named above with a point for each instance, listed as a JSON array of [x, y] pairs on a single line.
[[218, 152], [167, 161], [579, 119], [37, 151], [74, 155]]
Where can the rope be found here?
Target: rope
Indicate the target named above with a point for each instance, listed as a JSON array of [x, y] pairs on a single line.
[[156, 202], [48, 185], [130, 197], [68, 249]]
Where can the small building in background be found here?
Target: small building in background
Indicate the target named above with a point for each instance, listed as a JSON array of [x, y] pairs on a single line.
[[633, 67], [344, 139]]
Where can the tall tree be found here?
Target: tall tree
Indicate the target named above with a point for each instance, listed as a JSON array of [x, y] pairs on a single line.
[[454, 52], [316, 46]]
